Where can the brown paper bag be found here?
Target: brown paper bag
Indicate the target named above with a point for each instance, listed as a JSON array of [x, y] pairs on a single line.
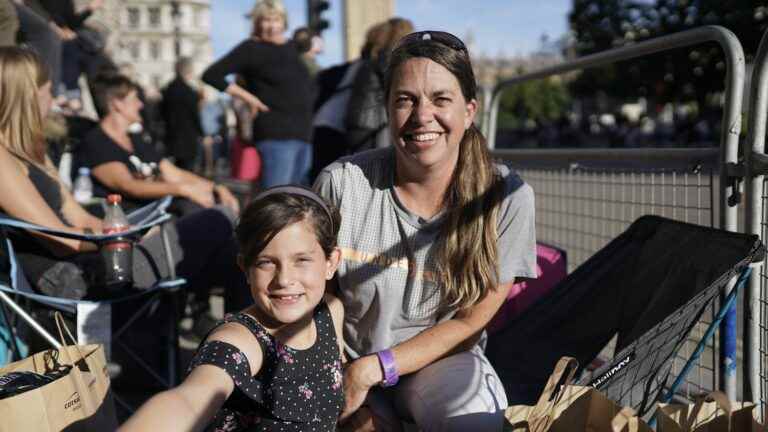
[[563, 407], [711, 413], [78, 401]]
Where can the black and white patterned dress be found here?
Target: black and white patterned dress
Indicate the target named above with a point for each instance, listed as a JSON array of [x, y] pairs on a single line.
[[295, 390]]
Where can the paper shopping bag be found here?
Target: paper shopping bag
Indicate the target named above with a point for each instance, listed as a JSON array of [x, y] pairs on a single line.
[[77, 398], [710, 413], [563, 407]]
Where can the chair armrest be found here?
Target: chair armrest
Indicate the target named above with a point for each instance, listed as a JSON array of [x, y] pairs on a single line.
[[133, 231], [150, 211]]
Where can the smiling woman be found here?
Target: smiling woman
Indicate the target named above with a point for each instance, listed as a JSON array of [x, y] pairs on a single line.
[[433, 235]]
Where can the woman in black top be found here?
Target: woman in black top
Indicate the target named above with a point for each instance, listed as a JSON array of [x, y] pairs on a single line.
[[278, 89], [32, 192]]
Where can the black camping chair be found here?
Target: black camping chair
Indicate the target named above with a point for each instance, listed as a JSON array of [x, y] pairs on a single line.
[[17, 295], [648, 287]]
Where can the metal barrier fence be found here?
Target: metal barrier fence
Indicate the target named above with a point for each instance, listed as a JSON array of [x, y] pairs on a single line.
[[584, 198], [756, 221]]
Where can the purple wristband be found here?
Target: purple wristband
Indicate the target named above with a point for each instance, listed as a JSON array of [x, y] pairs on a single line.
[[388, 367]]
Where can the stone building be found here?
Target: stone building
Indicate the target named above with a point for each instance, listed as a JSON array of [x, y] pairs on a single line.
[[142, 34]]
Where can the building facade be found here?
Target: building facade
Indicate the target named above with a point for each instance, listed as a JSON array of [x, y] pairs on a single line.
[[142, 36], [358, 17]]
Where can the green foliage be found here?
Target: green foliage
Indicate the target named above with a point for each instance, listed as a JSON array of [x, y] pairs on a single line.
[[539, 100], [689, 74]]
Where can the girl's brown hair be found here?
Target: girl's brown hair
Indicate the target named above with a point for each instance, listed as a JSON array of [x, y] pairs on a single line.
[[263, 218]]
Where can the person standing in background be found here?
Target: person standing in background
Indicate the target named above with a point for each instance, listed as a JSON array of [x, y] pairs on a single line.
[[278, 90], [180, 110], [366, 120], [9, 23]]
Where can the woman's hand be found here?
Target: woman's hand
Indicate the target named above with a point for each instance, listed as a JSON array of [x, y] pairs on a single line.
[[226, 198], [363, 420], [255, 104], [359, 377], [197, 192]]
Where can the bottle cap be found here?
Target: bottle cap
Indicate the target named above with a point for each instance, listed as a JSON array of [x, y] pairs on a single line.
[[114, 198], [84, 170]]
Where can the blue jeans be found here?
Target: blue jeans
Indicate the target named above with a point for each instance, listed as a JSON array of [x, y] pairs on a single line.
[[284, 162]]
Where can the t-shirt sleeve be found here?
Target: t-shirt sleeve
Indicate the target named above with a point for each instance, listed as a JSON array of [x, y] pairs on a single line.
[[231, 360], [326, 187], [97, 149], [517, 232]]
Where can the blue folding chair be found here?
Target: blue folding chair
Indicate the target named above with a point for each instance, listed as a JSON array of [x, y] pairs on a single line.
[[17, 288]]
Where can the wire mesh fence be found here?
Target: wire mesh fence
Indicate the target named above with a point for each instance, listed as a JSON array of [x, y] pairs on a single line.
[[582, 204], [762, 392]]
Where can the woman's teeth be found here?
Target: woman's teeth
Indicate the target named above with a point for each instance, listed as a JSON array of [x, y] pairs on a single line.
[[424, 136], [287, 297]]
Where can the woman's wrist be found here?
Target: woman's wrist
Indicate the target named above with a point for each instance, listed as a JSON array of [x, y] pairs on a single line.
[[367, 370]]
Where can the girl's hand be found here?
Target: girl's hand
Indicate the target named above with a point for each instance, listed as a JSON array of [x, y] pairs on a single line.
[[359, 377]]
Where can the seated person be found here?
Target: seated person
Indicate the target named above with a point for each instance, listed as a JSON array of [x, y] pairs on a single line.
[[33, 192], [128, 164]]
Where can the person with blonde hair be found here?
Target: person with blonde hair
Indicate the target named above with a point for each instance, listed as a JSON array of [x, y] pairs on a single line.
[[279, 91], [433, 235], [32, 192]]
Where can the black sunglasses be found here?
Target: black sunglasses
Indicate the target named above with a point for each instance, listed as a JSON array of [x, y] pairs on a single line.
[[441, 37]]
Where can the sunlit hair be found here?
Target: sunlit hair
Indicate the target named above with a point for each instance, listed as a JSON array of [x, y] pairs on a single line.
[[264, 218], [397, 28], [21, 123], [264, 8], [467, 251], [108, 86]]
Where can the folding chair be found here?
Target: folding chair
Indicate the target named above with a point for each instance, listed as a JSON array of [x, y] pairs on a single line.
[[648, 288], [17, 288]]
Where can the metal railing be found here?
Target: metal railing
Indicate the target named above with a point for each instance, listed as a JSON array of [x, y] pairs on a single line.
[[584, 198], [756, 222]]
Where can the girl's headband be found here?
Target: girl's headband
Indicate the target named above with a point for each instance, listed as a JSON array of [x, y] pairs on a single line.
[[297, 190]]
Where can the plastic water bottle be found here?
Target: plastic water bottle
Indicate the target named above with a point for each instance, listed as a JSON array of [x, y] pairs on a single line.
[[117, 253], [83, 188], [65, 167]]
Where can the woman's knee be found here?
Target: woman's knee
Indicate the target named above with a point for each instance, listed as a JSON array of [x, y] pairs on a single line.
[[456, 393]]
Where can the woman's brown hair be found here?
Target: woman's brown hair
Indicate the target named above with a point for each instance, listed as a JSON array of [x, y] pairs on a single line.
[[467, 255]]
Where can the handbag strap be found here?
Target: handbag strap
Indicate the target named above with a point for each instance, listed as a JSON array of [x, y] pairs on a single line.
[[622, 418], [719, 398], [541, 416], [60, 324]]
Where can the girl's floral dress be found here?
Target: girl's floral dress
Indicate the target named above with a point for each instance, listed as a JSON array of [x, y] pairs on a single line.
[[295, 390]]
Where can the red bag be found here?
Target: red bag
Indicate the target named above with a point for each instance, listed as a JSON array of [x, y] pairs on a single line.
[[246, 161]]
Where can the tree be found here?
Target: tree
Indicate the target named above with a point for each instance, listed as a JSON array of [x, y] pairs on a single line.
[[688, 74], [542, 101]]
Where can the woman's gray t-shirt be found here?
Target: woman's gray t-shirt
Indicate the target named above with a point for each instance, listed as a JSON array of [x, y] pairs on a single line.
[[387, 275]]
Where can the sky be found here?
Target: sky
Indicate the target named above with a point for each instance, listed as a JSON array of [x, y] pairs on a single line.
[[506, 27]]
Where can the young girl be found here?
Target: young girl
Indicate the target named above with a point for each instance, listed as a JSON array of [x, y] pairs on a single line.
[[277, 364]]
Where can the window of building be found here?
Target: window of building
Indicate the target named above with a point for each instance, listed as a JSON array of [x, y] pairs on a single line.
[[154, 16], [134, 50], [134, 17], [154, 50]]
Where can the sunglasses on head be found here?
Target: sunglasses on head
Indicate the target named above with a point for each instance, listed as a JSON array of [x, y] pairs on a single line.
[[441, 37]]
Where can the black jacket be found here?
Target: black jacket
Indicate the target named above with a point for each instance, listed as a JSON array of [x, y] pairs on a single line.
[[180, 110]]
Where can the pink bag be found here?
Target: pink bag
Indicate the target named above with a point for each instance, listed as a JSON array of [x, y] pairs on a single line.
[[551, 269], [246, 161]]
